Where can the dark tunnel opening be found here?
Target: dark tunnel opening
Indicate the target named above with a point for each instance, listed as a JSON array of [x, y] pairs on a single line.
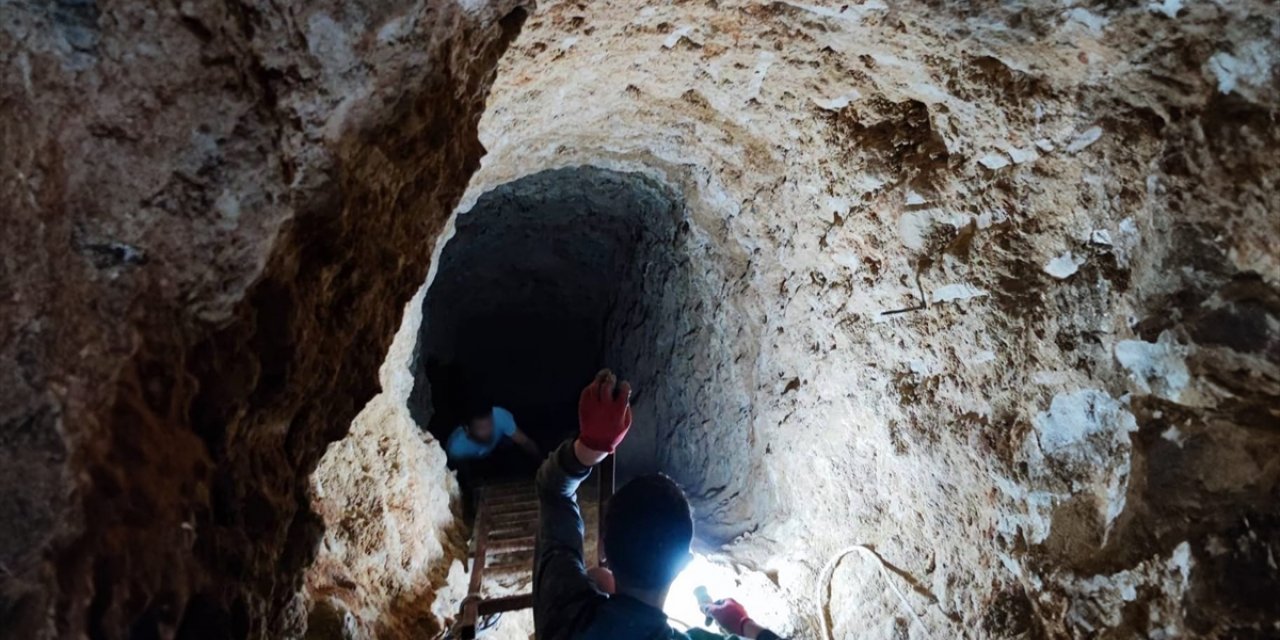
[[544, 281]]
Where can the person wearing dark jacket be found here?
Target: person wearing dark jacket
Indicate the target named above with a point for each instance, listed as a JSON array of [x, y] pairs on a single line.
[[648, 530]]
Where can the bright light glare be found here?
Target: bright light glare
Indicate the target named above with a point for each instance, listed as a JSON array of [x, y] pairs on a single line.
[[721, 582]]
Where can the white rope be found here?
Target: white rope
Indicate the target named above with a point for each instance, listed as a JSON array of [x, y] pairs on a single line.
[[824, 587]]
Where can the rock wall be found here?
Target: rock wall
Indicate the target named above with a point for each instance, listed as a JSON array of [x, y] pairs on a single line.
[[980, 333], [389, 562], [213, 214], [990, 289]]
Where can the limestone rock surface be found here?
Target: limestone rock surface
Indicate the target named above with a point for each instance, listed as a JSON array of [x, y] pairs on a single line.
[[963, 320], [393, 534], [988, 288]]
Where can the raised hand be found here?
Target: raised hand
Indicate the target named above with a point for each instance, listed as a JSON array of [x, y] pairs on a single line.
[[730, 614], [604, 413]]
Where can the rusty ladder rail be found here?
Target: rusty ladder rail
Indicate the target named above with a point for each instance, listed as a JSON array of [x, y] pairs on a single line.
[[474, 606]]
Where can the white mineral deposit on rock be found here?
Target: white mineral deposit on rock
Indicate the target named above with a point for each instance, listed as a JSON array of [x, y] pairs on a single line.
[[1064, 266]]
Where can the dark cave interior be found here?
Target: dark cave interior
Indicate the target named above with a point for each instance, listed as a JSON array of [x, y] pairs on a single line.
[[528, 294]]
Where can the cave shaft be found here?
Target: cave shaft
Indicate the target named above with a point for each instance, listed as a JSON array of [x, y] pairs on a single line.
[[970, 309]]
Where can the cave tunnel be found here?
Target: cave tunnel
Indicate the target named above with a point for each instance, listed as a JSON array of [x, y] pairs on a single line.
[[951, 319], [534, 294]]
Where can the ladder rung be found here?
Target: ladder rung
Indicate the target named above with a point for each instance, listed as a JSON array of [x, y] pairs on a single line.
[[510, 567], [514, 516], [502, 489], [514, 505], [511, 544], [509, 494], [520, 555], [505, 603], [508, 532]]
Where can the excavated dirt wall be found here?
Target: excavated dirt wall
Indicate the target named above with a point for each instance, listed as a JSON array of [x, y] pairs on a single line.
[[212, 217]]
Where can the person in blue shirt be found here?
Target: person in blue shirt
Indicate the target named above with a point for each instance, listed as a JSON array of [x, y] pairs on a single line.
[[486, 427]]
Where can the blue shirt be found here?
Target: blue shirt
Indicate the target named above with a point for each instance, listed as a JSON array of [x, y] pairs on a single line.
[[462, 447]]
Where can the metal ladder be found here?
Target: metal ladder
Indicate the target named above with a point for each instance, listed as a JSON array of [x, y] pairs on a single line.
[[505, 530]]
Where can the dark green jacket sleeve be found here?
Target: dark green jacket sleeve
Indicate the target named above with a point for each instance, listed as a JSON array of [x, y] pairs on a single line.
[[563, 595]]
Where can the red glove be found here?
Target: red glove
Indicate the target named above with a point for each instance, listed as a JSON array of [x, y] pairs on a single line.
[[730, 614], [604, 413]]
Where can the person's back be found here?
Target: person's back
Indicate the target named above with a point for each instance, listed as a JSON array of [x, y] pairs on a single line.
[[621, 617], [567, 605], [648, 530], [486, 428]]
